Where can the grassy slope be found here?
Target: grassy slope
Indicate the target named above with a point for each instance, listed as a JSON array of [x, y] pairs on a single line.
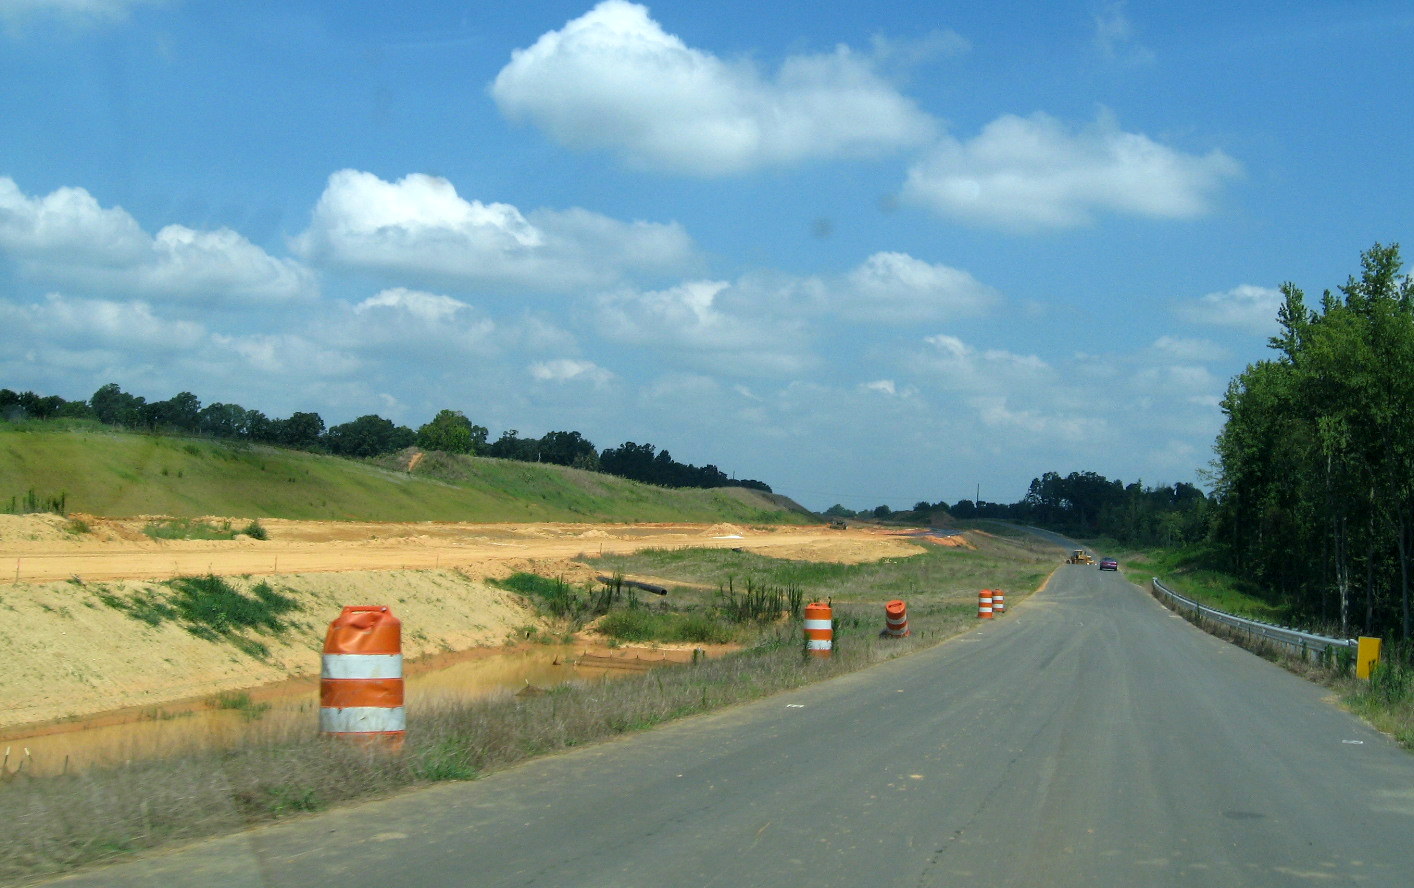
[[104, 472]]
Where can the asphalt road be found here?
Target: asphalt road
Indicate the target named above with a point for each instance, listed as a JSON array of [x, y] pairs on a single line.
[[1088, 738]]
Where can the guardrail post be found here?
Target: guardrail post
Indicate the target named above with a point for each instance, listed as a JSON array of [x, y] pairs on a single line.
[[1367, 654]]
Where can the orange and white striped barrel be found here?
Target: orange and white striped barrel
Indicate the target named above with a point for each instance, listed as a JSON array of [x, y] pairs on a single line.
[[984, 604], [998, 601], [361, 684], [819, 629], [896, 619]]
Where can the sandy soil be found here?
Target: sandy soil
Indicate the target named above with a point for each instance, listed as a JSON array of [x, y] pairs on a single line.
[[68, 655], [40, 548]]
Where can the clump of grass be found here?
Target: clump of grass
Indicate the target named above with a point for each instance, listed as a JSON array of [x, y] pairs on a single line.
[[255, 530], [210, 607], [77, 527], [32, 502], [240, 701], [759, 603], [553, 596], [189, 529], [641, 624]]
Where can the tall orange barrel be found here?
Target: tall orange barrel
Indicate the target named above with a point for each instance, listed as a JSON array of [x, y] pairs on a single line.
[[896, 619], [819, 629], [361, 683], [984, 604], [998, 601]]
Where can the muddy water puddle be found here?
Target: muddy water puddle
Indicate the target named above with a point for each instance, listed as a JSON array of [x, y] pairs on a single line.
[[291, 708]]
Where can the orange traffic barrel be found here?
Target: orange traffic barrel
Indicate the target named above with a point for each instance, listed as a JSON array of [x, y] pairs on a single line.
[[984, 604], [361, 683], [998, 601], [819, 629], [896, 619]]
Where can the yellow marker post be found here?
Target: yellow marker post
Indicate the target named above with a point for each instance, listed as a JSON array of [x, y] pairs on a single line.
[[1367, 654]]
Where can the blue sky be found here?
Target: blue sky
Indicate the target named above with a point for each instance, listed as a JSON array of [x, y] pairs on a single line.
[[865, 253]]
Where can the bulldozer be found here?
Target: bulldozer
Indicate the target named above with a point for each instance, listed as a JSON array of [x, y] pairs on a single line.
[[1080, 556]]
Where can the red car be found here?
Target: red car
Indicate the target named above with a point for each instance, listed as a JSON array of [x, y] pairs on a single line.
[[1109, 564]]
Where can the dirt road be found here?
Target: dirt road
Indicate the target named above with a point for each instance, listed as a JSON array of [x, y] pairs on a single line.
[[45, 548]]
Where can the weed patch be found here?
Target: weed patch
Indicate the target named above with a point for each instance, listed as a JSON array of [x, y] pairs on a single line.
[[189, 529], [211, 608], [32, 502], [641, 624], [241, 702]]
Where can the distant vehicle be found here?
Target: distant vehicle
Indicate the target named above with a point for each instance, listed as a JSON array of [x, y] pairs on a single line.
[[1109, 564], [1080, 556]]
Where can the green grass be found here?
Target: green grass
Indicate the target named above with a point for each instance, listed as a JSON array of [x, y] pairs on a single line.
[[189, 529], [642, 624], [240, 701], [1185, 572], [210, 608], [114, 473]]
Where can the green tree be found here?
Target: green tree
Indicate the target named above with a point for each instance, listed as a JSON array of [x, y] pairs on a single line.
[[366, 436], [450, 431]]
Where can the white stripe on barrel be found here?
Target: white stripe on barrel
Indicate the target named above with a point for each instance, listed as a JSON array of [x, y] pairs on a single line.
[[362, 666]]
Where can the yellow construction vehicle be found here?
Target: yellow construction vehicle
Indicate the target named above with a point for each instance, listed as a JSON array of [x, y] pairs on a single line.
[[1080, 556]]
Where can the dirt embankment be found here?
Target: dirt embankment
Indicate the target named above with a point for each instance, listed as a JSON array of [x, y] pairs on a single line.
[[69, 654]]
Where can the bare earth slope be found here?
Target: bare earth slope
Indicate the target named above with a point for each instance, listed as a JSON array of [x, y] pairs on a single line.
[[68, 654]]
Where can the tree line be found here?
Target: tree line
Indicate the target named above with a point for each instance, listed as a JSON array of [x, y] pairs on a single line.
[[1314, 475], [1081, 504], [367, 436]]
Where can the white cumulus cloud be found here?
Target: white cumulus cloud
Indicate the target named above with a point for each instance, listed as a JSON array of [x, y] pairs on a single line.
[[417, 328], [897, 287], [96, 323], [692, 322], [66, 236], [421, 226], [1179, 349], [291, 356], [1008, 392], [1246, 307], [614, 79], [1028, 173], [571, 370]]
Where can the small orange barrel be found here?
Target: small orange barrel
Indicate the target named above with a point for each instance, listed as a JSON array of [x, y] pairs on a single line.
[[819, 629], [896, 619], [361, 683], [984, 604], [998, 601]]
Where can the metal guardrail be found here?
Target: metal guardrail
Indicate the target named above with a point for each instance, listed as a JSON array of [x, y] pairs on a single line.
[[1306, 645]]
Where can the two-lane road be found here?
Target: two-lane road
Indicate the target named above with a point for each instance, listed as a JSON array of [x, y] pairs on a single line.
[[1088, 738]]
